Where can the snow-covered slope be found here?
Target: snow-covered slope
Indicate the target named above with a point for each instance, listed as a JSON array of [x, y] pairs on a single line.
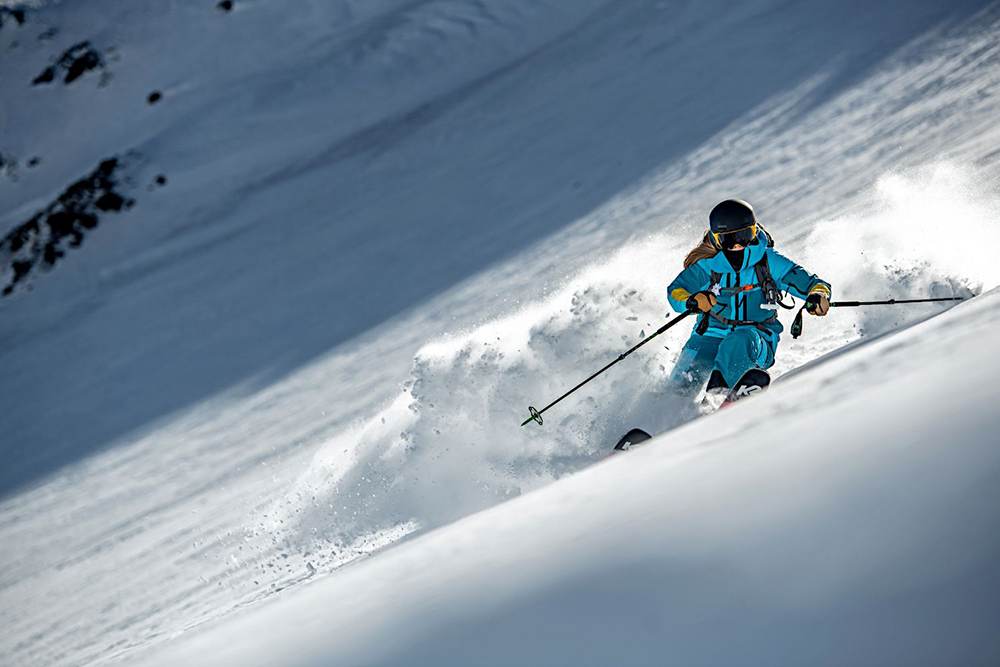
[[384, 227], [846, 517]]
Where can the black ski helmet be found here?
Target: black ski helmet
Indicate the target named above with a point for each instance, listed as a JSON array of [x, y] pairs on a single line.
[[731, 215]]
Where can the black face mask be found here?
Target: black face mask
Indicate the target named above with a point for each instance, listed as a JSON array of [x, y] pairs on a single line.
[[735, 257], [743, 237]]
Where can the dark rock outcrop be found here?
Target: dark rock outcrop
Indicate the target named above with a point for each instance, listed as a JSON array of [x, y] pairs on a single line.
[[74, 63], [12, 15], [40, 242]]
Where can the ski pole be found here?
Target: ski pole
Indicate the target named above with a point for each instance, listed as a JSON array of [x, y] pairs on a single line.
[[536, 415], [890, 302], [797, 324]]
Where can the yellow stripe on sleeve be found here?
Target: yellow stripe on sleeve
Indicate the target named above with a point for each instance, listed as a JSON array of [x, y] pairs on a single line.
[[680, 294], [821, 289]]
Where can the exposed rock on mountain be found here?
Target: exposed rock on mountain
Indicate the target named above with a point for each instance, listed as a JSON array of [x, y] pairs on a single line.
[[10, 15], [42, 240], [74, 63]]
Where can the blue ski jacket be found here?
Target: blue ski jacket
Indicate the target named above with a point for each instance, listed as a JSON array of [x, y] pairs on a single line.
[[740, 298]]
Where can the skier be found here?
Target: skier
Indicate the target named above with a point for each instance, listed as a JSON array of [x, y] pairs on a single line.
[[737, 292]]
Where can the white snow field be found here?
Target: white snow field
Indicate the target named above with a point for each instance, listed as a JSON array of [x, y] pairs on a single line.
[[848, 517], [268, 412]]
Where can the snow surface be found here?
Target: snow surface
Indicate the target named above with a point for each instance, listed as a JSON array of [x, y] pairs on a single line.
[[847, 517], [388, 227]]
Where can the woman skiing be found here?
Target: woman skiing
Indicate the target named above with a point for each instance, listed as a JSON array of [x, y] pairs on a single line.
[[734, 279]]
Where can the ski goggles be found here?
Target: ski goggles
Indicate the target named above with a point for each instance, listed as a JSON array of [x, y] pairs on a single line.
[[743, 237]]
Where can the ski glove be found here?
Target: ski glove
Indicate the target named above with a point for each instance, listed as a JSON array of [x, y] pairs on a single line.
[[817, 304], [701, 301]]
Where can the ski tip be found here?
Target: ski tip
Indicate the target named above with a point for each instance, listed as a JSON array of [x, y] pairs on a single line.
[[633, 437]]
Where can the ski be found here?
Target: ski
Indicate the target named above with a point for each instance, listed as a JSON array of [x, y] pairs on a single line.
[[754, 381], [634, 436]]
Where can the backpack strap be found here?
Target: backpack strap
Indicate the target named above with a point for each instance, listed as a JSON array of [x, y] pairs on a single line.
[[716, 286], [761, 326], [766, 280], [767, 235], [772, 295]]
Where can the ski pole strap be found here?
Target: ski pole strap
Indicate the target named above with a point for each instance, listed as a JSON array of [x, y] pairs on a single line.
[[797, 323], [702, 325], [536, 415]]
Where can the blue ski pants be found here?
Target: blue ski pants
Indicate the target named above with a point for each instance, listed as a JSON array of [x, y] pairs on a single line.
[[733, 355]]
